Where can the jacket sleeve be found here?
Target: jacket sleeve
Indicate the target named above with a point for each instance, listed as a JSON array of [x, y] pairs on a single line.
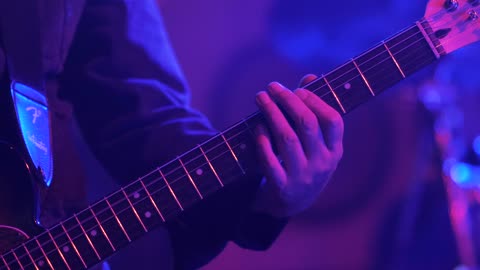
[[132, 105]]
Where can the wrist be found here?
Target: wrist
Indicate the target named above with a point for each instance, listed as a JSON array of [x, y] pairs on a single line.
[[268, 202]]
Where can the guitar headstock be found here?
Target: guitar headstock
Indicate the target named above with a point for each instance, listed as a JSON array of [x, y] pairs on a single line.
[[455, 23]]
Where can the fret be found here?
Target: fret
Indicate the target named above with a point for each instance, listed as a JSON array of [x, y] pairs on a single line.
[[88, 238], [11, 261], [144, 207], [93, 232], [134, 211], [349, 86], [211, 166], [161, 195], [394, 60], [180, 184], [363, 77], [58, 250], [36, 253], [324, 91], [244, 132], [334, 94], [66, 247], [153, 202], [252, 121], [243, 144], [233, 154], [200, 171], [50, 251], [118, 221], [170, 189], [80, 241], [411, 50], [427, 38], [105, 216], [431, 37], [74, 246], [379, 68], [30, 256], [102, 230], [221, 159], [402, 41], [191, 179], [5, 263], [41, 263], [131, 223], [16, 259]]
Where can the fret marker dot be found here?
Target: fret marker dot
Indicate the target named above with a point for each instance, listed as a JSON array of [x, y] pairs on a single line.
[[243, 146], [93, 233], [148, 214], [347, 86], [136, 195], [199, 171], [66, 249], [41, 263]]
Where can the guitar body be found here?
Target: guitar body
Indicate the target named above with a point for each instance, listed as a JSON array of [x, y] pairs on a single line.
[[17, 199]]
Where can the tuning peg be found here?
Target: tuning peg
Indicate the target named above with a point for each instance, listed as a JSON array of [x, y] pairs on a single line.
[[451, 5]]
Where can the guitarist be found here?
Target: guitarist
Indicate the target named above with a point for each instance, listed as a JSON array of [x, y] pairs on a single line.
[[116, 96]]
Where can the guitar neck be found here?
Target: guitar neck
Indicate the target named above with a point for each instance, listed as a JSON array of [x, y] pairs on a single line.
[[110, 224], [379, 68]]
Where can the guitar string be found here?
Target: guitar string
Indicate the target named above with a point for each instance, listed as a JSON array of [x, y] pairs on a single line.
[[377, 64], [96, 226], [429, 19], [152, 194], [135, 182], [137, 202], [128, 208], [444, 42], [449, 39]]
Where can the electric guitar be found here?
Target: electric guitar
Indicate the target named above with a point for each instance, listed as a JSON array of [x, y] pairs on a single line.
[[94, 234]]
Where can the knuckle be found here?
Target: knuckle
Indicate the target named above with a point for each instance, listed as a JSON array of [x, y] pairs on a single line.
[[327, 164], [335, 122], [308, 122], [289, 139]]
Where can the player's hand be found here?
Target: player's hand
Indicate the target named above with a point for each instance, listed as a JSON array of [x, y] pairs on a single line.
[[308, 152]]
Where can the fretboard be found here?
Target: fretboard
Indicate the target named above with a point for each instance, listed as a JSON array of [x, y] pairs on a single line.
[[110, 224]]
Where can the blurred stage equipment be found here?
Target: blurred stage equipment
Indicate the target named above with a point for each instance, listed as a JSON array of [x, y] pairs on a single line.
[[461, 166]]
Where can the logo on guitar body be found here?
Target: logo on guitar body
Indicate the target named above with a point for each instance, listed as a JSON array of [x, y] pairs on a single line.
[[36, 113]]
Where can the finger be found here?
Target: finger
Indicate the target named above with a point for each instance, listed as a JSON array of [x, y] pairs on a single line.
[[307, 79], [331, 123], [306, 123], [287, 142], [272, 167]]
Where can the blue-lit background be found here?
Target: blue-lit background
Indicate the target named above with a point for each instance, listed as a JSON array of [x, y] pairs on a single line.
[[391, 213]]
